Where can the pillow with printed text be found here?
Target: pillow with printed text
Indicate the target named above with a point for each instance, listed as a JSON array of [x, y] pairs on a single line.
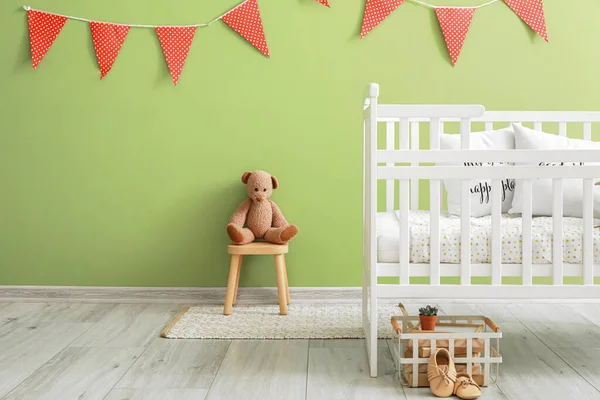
[[479, 190], [542, 189]]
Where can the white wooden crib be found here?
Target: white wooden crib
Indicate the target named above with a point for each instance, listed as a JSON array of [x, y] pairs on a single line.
[[399, 165]]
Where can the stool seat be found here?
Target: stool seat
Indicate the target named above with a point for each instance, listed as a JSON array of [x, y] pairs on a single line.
[[257, 248], [238, 251]]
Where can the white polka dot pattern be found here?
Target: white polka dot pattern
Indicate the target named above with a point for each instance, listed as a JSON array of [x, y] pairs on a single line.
[[108, 39], [455, 24], [324, 2], [375, 12], [175, 42], [43, 30], [532, 13], [245, 20]]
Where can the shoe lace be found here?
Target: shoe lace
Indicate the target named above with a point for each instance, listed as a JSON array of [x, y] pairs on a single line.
[[466, 382], [444, 374]]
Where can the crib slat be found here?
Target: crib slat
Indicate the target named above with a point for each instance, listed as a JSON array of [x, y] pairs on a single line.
[[496, 232], [414, 183], [537, 126], [434, 208], [562, 128], [526, 239], [587, 131], [465, 210], [390, 144], [557, 230], [489, 126], [404, 135], [465, 236], [465, 134], [588, 232], [404, 233], [404, 199]]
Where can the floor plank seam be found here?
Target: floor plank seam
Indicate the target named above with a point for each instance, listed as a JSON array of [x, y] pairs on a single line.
[[57, 353], [500, 390], [131, 366], [554, 352], [307, 369], [570, 366], [218, 369], [584, 317]]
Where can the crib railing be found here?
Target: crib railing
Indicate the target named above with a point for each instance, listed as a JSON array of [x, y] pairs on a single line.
[[496, 174], [402, 160]]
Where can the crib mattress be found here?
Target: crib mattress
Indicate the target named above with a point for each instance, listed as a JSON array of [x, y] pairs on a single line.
[[388, 238]]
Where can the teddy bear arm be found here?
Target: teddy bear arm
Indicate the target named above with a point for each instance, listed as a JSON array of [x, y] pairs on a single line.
[[278, 218], [240, 214]]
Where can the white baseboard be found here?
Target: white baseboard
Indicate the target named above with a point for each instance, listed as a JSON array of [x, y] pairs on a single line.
[[216, 295]]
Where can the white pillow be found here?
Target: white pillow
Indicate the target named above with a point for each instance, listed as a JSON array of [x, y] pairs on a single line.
[[542, 190], [481, 200]]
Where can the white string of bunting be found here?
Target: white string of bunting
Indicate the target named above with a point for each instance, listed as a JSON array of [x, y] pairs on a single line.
[[175, 40], [489, 3], [205, 25], [456, 20]]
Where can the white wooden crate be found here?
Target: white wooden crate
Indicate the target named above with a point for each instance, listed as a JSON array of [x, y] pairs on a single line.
[[474, 352]]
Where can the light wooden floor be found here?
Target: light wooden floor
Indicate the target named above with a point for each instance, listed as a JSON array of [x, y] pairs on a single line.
[[113, 351]]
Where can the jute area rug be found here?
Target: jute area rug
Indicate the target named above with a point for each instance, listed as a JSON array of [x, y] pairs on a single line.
[[304, 321]]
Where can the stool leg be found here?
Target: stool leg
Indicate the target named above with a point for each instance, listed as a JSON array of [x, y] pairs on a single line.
[[233, 274], [237, 281], [287, 286], [281, 290]]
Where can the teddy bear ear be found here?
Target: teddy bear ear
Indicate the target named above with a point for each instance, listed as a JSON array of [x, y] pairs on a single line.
[[275, 182], [246, 176]]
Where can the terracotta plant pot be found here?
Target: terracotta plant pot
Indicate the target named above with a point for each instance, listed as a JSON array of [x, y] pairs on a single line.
[[428, 322]]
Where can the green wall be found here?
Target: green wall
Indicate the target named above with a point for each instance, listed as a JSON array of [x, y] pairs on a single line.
[[131, 181]]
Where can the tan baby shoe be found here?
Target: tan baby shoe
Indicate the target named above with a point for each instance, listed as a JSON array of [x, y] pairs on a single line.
[[441, 373], [465, 387]]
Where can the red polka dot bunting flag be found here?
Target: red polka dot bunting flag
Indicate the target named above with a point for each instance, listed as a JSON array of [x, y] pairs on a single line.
[[532, 13], [324, 2], [43, 30], [175, 42], [108, 39], [245, 20], [375, 12], [455, 24]]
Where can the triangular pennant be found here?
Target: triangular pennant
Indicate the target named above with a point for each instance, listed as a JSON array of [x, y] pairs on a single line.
[[245, 20], [43, 30], [532, 13], [175, 42], [375, 12], [324, 2], [455, 24], [108, 39]]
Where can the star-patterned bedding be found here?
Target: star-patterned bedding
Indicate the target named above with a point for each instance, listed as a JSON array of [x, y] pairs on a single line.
[[388, 239]]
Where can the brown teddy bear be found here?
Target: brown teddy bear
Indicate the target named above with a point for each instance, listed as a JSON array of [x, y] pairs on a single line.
[[262, 217]]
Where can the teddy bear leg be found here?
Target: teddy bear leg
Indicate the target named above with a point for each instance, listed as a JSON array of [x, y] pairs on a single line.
[[282, 234], [239, 235]]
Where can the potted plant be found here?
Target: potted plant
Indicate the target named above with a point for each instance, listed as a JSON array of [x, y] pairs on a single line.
[[428, 317]]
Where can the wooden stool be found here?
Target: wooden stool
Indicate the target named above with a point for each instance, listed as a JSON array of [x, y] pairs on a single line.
[[257, 248]]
